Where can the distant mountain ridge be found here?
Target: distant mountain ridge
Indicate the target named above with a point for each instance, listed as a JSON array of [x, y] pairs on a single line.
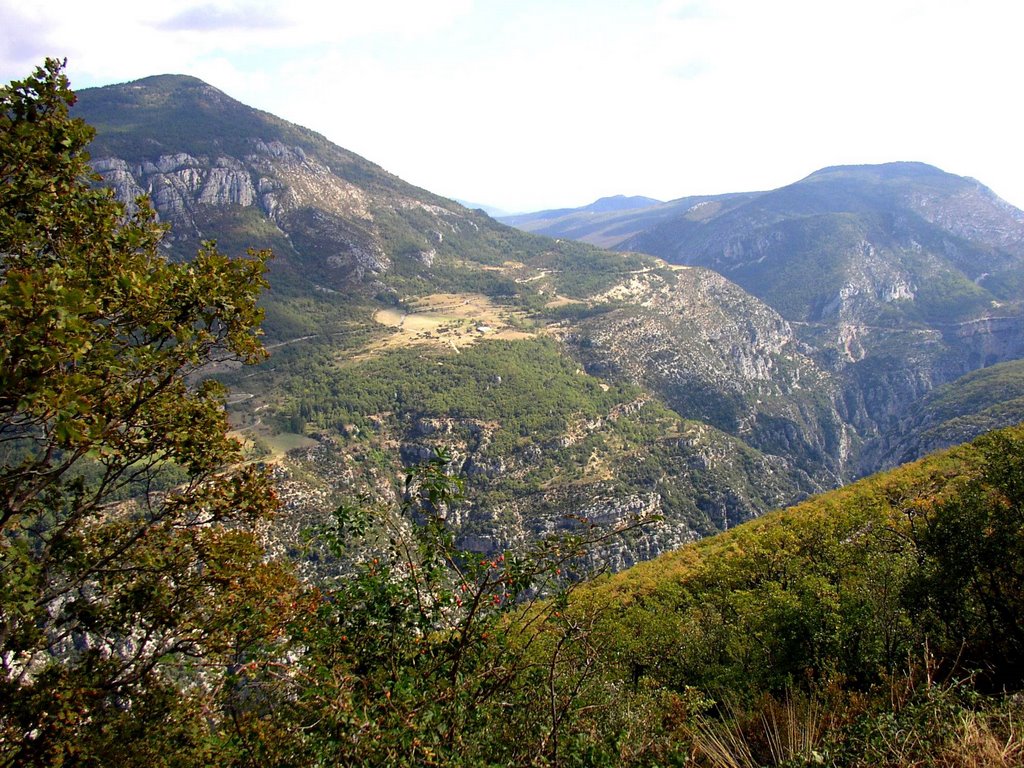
[[613, 204], [662, 227], [605, 222]]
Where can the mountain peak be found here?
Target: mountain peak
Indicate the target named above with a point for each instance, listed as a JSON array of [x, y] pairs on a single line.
[[163, 91], [178, 113], [621, 203], [901, 171], [168, 82]]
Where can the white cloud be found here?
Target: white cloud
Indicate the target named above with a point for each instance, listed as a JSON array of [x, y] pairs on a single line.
[[534, 103]]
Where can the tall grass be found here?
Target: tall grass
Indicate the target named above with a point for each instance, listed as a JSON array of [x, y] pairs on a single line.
[[787, 732], [915, 723]]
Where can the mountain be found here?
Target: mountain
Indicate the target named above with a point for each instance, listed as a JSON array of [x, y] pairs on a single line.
[[859, 242], [899, 277], [490, 210], [214, 167], [928, 242], [399, 322], [904, 277], [570, 382], [605, 222]]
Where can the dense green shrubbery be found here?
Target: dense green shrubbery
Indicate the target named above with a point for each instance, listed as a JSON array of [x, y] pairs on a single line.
[[525, 386], [844, 598]]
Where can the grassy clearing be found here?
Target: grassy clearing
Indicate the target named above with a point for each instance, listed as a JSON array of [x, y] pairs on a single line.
[[283, 442], [562, 301], [447, 319]]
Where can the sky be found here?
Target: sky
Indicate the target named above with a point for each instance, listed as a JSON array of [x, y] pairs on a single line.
[[532, 104]]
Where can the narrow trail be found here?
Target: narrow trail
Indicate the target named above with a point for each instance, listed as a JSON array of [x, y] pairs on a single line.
[[286, 342]]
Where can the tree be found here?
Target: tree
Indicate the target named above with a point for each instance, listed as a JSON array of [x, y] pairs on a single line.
[[971, 575], [130, 574], [418, 653]]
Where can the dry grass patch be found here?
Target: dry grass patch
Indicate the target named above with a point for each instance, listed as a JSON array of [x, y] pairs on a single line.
[[562, 301], [447, 319]]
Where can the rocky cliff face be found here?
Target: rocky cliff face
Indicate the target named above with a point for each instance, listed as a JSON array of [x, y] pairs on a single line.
[[971, 212], [327, 218], [685, 485], [178, 184], [717, 355]]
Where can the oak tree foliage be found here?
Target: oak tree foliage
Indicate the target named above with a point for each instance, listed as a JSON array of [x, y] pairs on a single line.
[[126, 548]]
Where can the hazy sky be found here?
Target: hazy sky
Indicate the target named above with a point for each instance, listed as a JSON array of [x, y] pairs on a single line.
[[529, 104]]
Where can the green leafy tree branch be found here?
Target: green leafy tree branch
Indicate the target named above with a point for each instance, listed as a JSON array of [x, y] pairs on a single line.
[[111, 607]]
